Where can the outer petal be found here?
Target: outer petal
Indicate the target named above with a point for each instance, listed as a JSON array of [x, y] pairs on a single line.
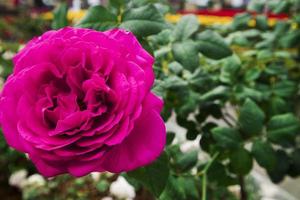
[[45, 169], [143, 145]]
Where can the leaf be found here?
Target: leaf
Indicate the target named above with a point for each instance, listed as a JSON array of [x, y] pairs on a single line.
[[216, 93], [207, 141], [212, 45], [262, 22], [277, 106], [217, 173], [252, 74], [189, 184], [282, 129], [294, 168], [251, 118], [186, 53], [143, 21], [174, 82], [162, 38], [227, 138], [170, 137], [153, 176], [175, 67], [281, 7], [240, 161], [264, 154], [290, 39], [279, 171], [186, 27], [60, 16], [173, 190], [285, 88], [240, 21], [98, 18], [230, 69], [187, 161]]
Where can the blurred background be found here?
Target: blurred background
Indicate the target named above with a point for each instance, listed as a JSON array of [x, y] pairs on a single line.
[[21, 20]]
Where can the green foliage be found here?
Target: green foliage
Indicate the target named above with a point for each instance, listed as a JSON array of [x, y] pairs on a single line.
[[143, 21], [154, 176], [212, 45], [97, 21], [186, 27], [251, 118], [60, 16], [283, 129], [235, 87]]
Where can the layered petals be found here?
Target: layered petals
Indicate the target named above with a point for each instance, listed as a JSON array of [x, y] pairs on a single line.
[[79, 101]]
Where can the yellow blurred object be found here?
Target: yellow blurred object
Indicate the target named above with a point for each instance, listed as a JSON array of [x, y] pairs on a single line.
[[208, 20], [72, 15]]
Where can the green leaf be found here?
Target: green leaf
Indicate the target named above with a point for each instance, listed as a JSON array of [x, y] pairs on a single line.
[[279, 171], [252, 74], [60, 16], [294, 168], [162, 38], [262, 22], [175, 67], [212, 45], [189, 185], [282, 129], [187, 161], [241, 21], [264, 154], [185, 28], [251, 118], [174, 82], [290, 39], [186, 53], [277, 106], [173, 190], [240, 161], [207, 141], [281, 7], [143, 21], [217, 173], [216, 93], [230, 69], [285, 88], [227, 138], [170, 137], [98, 18], [153, 176]]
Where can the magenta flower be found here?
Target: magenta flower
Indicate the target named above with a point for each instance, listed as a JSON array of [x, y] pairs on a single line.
[[79, 101]]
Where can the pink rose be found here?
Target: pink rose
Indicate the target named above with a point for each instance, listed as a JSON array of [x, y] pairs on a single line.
[[79, 101]]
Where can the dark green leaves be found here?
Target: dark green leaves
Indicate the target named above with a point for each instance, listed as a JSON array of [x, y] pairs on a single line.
[[153, 176], [212, 45], [251, 118], [187, 160], [264, 154], [186, 27], [240, 161], [226, 138], [282, 129], [143, 21], [99, 18], [60, 16], [186, 53]]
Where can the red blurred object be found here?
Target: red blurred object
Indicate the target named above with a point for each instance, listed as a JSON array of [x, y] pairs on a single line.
[[229, 13], [16, 2]]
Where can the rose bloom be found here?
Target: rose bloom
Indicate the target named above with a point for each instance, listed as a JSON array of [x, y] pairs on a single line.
[[79, 101]]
